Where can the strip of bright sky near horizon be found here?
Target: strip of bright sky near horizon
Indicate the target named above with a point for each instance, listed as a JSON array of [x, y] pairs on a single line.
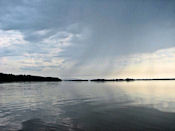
[[88, 38]]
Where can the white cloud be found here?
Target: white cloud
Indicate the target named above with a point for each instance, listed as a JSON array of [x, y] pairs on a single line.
[[44, 60], [148, 65], [41, 32], [11, 37], [143, 65], [60, 39]]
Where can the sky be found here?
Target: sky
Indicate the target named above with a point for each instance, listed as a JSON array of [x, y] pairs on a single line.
[[88, 38]]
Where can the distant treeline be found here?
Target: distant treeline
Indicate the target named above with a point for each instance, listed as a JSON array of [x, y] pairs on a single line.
[[101, 80], [119, 80], [28, 78], [130, 79], [25, 78]]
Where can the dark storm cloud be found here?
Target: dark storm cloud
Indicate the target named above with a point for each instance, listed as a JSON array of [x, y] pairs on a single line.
[[99, 29]]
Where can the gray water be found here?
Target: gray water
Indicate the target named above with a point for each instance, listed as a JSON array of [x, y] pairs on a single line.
[[91, 106]]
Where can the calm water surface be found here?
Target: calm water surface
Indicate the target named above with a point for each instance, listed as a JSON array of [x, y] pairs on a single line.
[[91, 106]]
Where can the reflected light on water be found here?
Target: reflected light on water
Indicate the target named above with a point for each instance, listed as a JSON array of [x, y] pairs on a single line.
[[87, 105]]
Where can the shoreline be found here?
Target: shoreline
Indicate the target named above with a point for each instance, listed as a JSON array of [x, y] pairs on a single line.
[[4, 78]]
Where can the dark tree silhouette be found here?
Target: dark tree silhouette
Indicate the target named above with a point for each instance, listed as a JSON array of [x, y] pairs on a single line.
[[20, 78]]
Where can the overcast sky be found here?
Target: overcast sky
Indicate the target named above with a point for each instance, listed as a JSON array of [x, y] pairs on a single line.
[[88, 38]]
